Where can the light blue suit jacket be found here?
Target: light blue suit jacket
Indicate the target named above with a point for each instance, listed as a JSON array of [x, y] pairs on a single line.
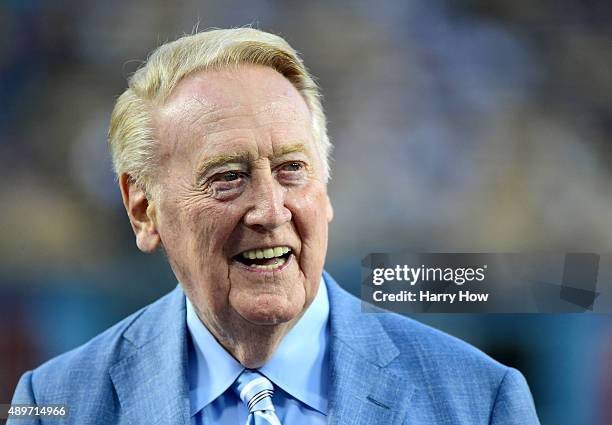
[[385, 369]]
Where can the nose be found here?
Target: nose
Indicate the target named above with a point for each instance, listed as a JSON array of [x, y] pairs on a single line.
[[268, 210]]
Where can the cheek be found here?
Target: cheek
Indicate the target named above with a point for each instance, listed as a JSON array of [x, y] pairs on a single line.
[[310, 218], [194, 233], [194, 239], [203, 228], [309, 210]]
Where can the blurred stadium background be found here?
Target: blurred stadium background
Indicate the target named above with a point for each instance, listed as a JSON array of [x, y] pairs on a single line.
[[459, 126]]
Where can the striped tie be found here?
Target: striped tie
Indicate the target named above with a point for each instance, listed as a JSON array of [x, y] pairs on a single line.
[[255, 390]]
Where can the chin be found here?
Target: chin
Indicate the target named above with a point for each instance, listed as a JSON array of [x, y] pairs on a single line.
[[268, 311]]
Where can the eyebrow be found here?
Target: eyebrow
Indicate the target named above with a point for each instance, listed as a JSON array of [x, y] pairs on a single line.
[[291, 148], [241, 158], [218, 160]]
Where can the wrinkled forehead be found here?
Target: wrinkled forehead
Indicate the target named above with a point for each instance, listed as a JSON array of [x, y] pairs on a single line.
[[213, 104]]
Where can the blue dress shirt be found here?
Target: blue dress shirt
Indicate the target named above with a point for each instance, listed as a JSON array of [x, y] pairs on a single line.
[[298, 369]]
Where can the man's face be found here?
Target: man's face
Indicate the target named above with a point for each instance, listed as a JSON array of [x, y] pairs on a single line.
[[240, 178]]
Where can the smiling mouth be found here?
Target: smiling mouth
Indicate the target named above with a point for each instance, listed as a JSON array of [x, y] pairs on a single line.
[[264, 259]]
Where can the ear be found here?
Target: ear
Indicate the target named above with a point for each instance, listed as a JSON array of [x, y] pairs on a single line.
[[141, 214], [329, 210]]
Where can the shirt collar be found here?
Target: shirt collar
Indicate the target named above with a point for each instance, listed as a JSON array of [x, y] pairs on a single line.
[[299, 366]]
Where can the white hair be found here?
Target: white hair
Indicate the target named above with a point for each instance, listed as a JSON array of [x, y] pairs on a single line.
[[131, 134]]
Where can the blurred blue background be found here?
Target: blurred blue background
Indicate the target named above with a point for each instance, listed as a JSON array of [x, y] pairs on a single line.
[[459, 126]]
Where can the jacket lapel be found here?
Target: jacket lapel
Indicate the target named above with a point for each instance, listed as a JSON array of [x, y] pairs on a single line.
[[362, 389], [151, 379]]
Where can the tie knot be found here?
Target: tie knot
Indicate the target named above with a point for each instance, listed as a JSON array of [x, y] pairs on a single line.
[[255, 390]]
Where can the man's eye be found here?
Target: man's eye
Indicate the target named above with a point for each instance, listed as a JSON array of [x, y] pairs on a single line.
[[293, 166], [229, 176], [228, 180]]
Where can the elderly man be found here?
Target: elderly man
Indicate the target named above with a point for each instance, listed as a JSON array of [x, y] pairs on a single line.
[[221, 151]]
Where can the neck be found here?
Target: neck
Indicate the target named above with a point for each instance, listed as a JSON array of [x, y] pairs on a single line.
[[252, 345]]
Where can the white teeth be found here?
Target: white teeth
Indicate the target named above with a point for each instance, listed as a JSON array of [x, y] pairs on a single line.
[[277, 263], [277, 251]]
